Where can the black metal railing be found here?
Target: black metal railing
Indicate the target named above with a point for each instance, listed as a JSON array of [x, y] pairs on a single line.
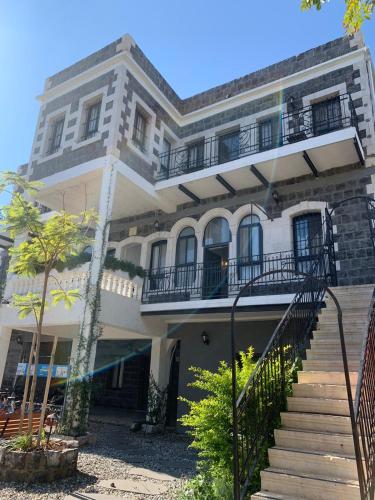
[[287, 128], [202, 281], [364, 415], [256, 410]]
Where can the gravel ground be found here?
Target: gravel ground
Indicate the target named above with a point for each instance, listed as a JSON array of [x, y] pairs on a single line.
[[116, 451]]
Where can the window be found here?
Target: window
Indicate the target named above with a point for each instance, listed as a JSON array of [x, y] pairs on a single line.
[[270, 133], [186, 254], [165, 157], [217, 232], [326, 116], [157, 264], [92, 120], [249, 248], [56, 136], [229, 146], [139, 132], [307, 235], [111, 252], [195, 155]]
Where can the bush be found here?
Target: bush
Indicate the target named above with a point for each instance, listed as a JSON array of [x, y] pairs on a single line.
[[209, 423], [110, 263]]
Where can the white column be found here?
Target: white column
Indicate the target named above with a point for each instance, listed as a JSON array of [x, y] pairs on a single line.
[[98, 254], [5, 334], [160, 361], [84, 346]]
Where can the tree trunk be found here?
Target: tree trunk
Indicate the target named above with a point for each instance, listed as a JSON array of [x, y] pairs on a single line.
[[46, 390], [37, 351], [27, 382]]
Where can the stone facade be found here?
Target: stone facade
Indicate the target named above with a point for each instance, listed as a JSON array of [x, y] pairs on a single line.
[[351, 219], [115, 132]]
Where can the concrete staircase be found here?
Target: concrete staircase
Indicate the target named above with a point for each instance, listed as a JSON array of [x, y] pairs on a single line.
[[314, 453]]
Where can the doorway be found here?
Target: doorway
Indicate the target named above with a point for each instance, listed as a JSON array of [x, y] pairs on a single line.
[[215, 272]]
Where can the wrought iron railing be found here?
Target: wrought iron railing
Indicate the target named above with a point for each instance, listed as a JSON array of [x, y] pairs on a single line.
[[364, 415], [202, 281], [257, 408], [286, 128]]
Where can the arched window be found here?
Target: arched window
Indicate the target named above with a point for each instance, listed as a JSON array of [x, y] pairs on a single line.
[[249, 247], [157, 264], [186, 256], [217, 232]]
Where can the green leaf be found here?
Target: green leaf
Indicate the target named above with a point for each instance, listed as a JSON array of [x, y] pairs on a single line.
[[68, 297]]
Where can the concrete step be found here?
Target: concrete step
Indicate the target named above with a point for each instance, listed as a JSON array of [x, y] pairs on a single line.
[[331, 378], [334, 336], [329, 366], [317, 462], [311, 487], [335, 344], [354, 324], [359, 312], [319, 405], [267, 495], [330, 355], [316, 422], [326, 391], [315, 441]]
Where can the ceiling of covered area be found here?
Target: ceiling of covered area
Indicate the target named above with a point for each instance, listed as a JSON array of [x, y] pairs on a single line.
[[274, 165]]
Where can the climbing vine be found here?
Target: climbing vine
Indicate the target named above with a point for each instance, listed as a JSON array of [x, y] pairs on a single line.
[[77, 399]]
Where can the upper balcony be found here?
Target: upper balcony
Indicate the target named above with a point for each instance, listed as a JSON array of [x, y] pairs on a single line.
[[307, 140]]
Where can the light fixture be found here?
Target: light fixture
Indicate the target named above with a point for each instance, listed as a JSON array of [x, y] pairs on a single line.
[[156, 225], [291, 101], [205, 338], [19, 340], [275, 196]]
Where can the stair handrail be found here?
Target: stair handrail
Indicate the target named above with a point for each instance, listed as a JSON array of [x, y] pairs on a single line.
[[364, 412], [284, 350]]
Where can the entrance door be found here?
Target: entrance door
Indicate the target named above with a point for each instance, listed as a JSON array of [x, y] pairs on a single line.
[[215, 259], [215, 272], [307, 235]]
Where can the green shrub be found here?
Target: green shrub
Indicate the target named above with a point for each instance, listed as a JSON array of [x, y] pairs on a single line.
[[23, 442], [110, 262], [209, 423]]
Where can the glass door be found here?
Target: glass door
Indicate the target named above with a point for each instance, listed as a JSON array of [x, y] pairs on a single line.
[[157, 265]]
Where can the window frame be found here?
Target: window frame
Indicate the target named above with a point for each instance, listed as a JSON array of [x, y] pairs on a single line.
[[229, 135], [318, 128], [90, 132], [302, 260], [157, 274], [248, 260], [139, 136], [53, 147], [198, 163], [187, 268], [221, 243], [276, 139]]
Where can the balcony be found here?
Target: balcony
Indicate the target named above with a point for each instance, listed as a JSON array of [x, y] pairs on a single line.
[[197, 282], [287, 128], [305, 141]]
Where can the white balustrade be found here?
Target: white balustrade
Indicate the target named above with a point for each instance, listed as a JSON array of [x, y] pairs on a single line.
[[112, 282]]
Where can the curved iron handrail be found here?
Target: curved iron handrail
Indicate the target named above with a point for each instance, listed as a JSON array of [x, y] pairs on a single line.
[[236, 401]]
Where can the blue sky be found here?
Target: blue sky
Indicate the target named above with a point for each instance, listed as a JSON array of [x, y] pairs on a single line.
[[195, 44]]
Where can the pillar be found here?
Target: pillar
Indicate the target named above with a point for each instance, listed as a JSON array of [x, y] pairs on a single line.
[[159, 377], [5, 335], [84, 346]]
